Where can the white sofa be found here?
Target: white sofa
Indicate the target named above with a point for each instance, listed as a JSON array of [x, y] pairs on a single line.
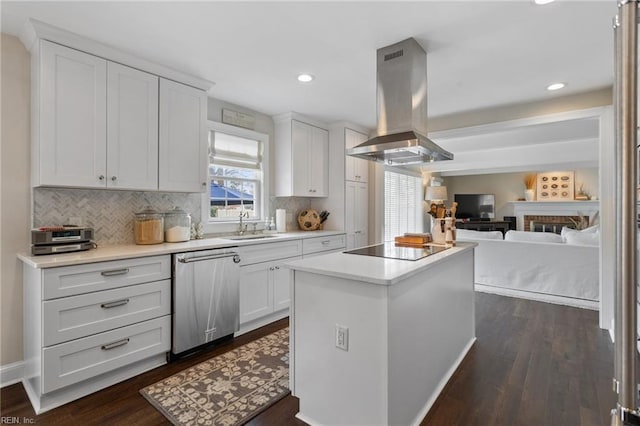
[[559, 272]]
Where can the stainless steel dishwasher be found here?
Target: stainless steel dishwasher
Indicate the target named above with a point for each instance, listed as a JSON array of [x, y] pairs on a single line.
[[206, 299]]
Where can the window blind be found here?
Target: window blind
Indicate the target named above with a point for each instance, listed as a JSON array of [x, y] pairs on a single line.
[[402, 204], [233, 151]]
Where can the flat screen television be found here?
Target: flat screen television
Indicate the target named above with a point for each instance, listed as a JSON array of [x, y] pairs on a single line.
[[475, 206]]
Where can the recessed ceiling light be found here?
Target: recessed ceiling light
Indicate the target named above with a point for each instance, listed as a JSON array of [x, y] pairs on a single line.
[[556, 86], [305, 78], [543, 1]]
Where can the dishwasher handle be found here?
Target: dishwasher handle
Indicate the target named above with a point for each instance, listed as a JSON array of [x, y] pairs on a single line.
[[236, 258]]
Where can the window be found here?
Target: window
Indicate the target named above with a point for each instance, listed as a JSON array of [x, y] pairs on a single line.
[[236, 173], [402, 204]]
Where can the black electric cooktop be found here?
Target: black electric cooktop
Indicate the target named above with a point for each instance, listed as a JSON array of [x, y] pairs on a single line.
[[391, 251]]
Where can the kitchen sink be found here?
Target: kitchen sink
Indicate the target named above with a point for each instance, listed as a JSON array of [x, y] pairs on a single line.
[[248, 237]]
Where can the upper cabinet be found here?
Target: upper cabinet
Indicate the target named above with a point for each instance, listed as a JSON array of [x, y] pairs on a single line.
[[101, 124], [302, 158], [72, 129], [183, 138], [356, 169], [132, 128]]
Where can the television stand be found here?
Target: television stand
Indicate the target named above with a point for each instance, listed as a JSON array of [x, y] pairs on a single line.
[[484, 226]]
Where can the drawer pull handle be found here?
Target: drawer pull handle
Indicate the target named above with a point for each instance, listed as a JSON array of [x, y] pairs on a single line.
[[114, 304], [114, 272], [324, 243], [115, 344]]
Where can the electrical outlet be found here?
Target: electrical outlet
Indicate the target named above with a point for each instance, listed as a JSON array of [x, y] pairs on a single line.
[[342, 337]]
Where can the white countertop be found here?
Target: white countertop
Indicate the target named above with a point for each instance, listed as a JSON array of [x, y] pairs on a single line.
[[374, 270], [126, 251]]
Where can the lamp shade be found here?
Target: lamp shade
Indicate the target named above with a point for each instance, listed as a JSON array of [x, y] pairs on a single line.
[[436, 193]]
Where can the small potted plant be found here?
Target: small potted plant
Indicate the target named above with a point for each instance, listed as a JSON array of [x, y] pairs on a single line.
[[530, 187]]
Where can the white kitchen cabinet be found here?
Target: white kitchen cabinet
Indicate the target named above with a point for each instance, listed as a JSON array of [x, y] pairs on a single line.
[[132, 128], [183, 138], [70, 118], [100, 124], [302, 158], [357, 216], [89, 326], [264, 289], [356, 169]]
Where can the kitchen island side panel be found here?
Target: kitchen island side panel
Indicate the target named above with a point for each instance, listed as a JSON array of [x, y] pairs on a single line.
[[335, 386], [432, 323]]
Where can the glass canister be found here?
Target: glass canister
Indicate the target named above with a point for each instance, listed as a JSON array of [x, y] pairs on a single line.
[[177, 226], [149, 226]]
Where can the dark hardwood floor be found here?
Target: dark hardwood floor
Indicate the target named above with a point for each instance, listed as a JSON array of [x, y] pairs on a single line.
[[533, 364]]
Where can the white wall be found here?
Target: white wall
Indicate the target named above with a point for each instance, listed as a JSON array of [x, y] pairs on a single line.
[[15, 196], [510, 186]]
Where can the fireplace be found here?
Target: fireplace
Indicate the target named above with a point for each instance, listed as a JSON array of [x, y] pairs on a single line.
[[555, 223], [552, 214]]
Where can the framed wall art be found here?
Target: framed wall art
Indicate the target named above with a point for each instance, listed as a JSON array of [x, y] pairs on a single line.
[[555, 186]]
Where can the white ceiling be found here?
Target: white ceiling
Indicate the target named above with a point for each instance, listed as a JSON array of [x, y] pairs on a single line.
[[480, 53]]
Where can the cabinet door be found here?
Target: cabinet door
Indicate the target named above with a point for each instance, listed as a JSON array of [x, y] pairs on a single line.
[[350, 213], [281, 285], [301, 135], [355, 168], [132, 128], [319, 162], [183, 138], [256, 292], [356, 214], [72, 133]]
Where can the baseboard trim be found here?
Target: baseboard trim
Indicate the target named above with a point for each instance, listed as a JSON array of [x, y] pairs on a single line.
[[11, 374], [423, 413], [539, 297]]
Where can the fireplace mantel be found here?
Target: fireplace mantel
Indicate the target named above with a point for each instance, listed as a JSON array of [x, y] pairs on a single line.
[[552, 208]]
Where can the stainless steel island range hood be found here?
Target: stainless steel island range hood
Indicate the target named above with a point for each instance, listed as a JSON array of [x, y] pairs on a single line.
[[402, 109]]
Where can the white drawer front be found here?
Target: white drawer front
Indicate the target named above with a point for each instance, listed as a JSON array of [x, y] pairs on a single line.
[[73, 317], [79, 279], [270, 251], [318, 244], [82, 359]]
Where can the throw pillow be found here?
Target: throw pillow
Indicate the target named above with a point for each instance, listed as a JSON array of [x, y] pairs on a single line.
[[583, 238], [463, 234], [538, 237]]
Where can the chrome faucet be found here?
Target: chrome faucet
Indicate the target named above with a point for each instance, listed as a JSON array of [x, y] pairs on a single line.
[[242, 228]]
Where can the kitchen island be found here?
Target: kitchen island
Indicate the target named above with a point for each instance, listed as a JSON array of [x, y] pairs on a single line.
[[404, 327]]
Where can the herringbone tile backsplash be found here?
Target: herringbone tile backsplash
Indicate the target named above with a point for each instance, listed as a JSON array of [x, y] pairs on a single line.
[[109, 213]]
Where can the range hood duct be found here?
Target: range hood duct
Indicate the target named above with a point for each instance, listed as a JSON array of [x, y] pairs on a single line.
[[402, 109]]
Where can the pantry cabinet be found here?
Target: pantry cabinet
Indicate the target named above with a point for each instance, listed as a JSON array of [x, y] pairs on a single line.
[[356, 212], [302, 158], [101, 124], [356, 169]]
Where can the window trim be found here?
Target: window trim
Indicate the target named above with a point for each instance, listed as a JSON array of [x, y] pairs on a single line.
[[211, 226]]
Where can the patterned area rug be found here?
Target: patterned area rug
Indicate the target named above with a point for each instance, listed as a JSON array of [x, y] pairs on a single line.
[[229, 389]]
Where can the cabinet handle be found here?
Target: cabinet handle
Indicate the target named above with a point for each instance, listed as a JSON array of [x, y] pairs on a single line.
[[115, 344], [204, 184], [324, 243], [277, 267], [113, 178], [271, 268], [114, 272], [101, 178], [114, 304]]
